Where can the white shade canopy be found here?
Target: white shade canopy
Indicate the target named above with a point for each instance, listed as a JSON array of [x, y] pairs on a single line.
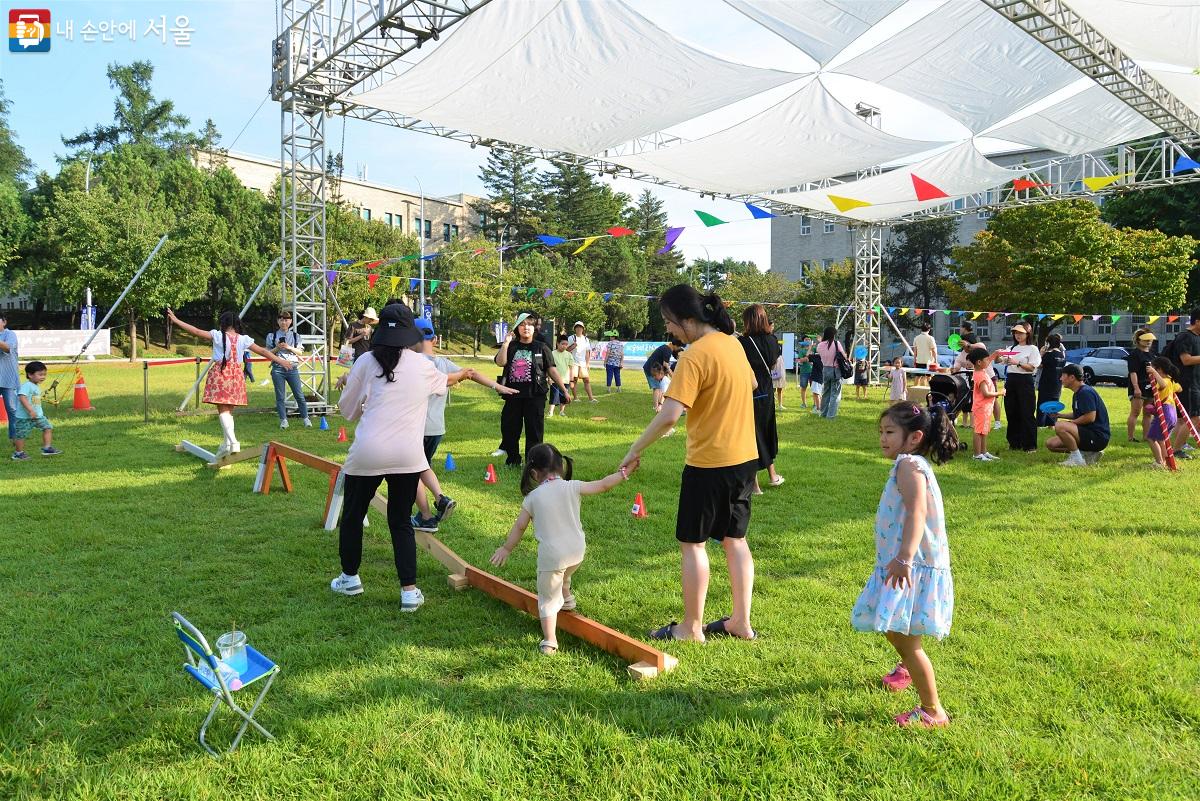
[[961, 170], [820, 28], [1088, 120], [573, 75], [807, 137]]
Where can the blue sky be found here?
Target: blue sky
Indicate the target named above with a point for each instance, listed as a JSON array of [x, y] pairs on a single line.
[[224, 75]]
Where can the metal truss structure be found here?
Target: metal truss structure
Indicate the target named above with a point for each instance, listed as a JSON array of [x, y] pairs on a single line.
[[325, 49]]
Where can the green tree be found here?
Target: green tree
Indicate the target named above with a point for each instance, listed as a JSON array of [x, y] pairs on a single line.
[[830, 286], [712, 275], [36, 271], [768, 289], [138, 118], [915, 262], [13, 223], [510, 178], [477, 301], [14, 165], [574, 296], [663, 270], [573, 204], [348, 236], [1174, 210], [1062, 256]]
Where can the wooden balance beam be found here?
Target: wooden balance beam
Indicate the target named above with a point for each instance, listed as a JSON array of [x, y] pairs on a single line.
[[210, 459], [647, 662], [275, 455]]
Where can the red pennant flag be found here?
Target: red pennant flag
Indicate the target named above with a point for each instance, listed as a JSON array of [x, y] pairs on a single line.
[[992, 315], [1020, 184], [926, 190], [477, 251], [1077, 317], [371, 279], [371, 265], [619, 231], [1172, 318], [918, 312]]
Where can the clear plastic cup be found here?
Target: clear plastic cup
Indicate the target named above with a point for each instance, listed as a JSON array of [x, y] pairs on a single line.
[[232, 647]]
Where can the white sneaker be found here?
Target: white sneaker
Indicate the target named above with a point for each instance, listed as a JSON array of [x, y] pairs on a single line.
[[1091, 457], [265, 382], [1071, 461], [222, 451], [307, 423], [997, 425], [1157, 466], [990, 457], [500, 452], [980, 457], [410, 600], [347, 585], [283, 423], [235, 447]]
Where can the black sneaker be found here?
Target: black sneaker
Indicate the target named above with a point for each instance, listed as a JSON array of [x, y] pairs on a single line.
[[444, 508], [429, 526]]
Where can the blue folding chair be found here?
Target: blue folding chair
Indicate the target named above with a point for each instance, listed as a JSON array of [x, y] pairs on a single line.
[[199, 653]]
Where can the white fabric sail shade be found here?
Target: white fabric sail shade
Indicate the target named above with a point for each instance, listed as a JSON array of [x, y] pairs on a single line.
[[961, 170], [820, 28], [1088, 120], [573, 75], [805, 138]]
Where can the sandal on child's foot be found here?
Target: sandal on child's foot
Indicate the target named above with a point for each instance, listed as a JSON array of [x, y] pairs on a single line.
[[898, 680], [547, 648], [919, 718]]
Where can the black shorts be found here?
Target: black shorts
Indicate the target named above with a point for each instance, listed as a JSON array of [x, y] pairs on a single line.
[[431, 446], [714, 502], [1191, 401], [1091, 440]]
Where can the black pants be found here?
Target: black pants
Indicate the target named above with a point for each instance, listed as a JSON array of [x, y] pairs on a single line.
[[1020, 408], [1047, 392], [517, 411], [357, 492]]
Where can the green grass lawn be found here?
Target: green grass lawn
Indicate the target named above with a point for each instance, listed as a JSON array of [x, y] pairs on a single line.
[[1071, 672]]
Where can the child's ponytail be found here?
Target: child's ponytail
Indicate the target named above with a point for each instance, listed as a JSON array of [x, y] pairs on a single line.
[[545, 460], [940, 440], [684, 302]]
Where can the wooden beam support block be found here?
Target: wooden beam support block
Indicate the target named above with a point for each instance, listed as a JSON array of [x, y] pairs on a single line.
[[458, 581], [641, 671], [584, 628]]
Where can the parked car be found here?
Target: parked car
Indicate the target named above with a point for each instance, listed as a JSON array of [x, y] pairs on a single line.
[[1075, 355], [1106, 365], [945, 357]]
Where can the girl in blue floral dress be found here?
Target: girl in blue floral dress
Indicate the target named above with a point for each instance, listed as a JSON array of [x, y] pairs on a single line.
[[910, 593]]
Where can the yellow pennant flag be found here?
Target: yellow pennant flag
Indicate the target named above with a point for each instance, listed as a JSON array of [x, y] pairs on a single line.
[[395, 279], [1057, 316], [975, 315], [1098, 182], [904, 310], [591, 295], [587, 243], [846, 203], [1152, 320], [360, 263]]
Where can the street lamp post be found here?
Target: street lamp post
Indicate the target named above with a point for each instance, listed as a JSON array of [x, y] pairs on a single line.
[[421, 245]]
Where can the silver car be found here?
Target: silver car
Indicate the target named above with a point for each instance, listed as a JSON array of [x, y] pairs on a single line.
[[1106, 365]]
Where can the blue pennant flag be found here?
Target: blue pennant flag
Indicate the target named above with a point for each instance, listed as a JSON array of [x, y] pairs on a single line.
[[344, 261], [413, 283], [607, 296], [1185, 163], [430, 256], [759, 214], [551, 240]]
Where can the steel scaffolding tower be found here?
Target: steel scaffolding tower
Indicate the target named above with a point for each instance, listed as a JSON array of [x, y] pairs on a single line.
[[868, 278]]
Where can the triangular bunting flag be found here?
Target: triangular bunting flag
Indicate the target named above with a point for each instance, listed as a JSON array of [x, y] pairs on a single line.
[[371, 279], [591, 295], [1056, 316], [1152, 320], [607, 296], [926, 190], [433, 285], [846, 203], [1172, 318], [1116, 317], [1185, 163], [992, 316], [1095, 318], [413, 283], [395, 279], [359, 263], [904, 310], [547, 293], [587, 243], [376, 263], [453, 285], [1077, 317], [430, 256], [477, 251], [1098, 182], [344, 261], [757, 213], [1021, 184], [946, 312], [672, 235], [331, 276], [528, 246], [618, 231], [551, 240], [709, 220], [409, 257], [529, 293], [975, 315]]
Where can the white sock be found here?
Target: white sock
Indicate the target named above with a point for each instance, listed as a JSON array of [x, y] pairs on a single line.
[[226, 421], [1077, 455]]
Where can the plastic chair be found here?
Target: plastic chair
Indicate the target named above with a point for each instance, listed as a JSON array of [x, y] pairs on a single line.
[[199, 656]]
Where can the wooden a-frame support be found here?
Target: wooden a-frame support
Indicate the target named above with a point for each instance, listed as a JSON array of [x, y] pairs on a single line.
[[647, 662]]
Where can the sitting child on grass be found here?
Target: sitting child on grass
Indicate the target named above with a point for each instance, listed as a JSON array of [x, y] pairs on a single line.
[[29, 414], [552, 502]]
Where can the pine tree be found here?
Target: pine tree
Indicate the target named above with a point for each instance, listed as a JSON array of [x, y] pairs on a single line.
[[511, 181], [915, 263], [138, 118], [14, 165], [574, 204]]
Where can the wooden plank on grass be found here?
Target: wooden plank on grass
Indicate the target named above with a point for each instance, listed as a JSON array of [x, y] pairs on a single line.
[[195, 450], [234, 458], [427, 542], [584, 628]]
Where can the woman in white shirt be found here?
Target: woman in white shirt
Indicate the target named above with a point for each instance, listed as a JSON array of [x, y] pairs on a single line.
[[1020, 403], [389, 390]]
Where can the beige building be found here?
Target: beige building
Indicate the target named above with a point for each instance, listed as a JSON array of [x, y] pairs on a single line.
[[446, 218]]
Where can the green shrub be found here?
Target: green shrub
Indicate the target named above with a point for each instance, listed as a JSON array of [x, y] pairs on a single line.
[[185, 350]]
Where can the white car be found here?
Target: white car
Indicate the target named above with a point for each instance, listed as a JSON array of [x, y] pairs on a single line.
[[1106, 365]]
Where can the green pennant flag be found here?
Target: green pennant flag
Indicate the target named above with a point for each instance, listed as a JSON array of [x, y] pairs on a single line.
[[307, 274], [433, 285], [709, 220], [528, 246], [1116, 317], [530, 292], [409, 258]]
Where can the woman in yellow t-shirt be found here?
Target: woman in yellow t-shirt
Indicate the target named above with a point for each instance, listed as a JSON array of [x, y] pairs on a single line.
[[714, 383]]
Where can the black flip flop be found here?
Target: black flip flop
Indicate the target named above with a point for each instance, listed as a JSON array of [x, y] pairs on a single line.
[[665, 632], [717, 629]]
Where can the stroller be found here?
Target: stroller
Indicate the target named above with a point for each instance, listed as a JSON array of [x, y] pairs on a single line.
[[952, 392]]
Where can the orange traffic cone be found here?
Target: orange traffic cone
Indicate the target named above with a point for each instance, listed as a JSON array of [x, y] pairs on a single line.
[[82, 402], [639, 506], [489, 477], [341, 434]]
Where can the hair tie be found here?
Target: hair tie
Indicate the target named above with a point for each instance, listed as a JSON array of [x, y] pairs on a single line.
[[916, 409]]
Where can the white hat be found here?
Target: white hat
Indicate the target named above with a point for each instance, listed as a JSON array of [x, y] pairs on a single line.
[[369, 314], [579, 324]]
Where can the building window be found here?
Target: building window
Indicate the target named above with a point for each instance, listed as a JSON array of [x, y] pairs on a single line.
[[398, 219], [365, 214], [454, 232], [387, 217], [417, 226], [429, 229], [805, 225], [445, 232], [1104, 329], [983, 331], [827, 263], [1070, 330], [482, 220], [960, 203], [1137, 321], [828, 227]]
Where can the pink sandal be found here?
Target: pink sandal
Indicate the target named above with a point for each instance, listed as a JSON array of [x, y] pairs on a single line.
[[898, 680], [920, 718]]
